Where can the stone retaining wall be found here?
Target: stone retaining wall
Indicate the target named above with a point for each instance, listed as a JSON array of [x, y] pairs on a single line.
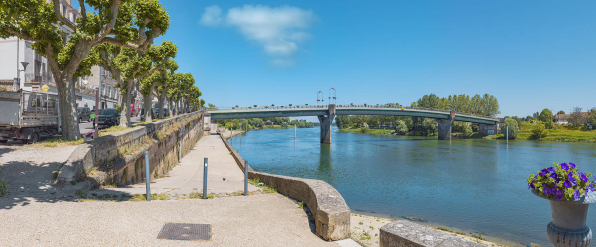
[[119, 158], [405, 233], [331, 213]]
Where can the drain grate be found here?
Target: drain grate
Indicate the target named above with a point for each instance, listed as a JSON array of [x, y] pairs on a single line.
[[181, 231]]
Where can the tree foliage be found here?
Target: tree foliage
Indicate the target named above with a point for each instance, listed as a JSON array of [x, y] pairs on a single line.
[[514, 128], [545, 115], [539, 132], [401, 127], [131, 24]]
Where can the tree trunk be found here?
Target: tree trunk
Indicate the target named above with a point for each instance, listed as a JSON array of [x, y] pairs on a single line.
[[177, 107], [68, 109], [125, 106], [170, 105], [147, 102], [161, 100]]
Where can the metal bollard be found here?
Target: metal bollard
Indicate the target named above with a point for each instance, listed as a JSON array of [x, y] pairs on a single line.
[[205, 180], [147, 176], [245, 178], [507, 135]]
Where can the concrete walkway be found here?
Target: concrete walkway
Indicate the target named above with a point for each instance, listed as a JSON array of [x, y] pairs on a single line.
[[188, 175], [255, 220]]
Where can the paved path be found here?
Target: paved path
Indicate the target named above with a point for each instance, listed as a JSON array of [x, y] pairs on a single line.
[[258, 220], [188, 175], [38, 218]]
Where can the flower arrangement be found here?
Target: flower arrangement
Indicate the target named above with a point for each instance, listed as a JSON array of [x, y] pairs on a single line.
[[562, 181]]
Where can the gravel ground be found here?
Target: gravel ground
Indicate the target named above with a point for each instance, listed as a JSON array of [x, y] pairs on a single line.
[[29, 173], [258, 220]]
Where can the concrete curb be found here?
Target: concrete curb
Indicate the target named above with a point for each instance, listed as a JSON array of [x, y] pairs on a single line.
[[331, 213]]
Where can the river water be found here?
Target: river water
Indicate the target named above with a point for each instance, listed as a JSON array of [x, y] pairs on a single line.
[[471, 185]]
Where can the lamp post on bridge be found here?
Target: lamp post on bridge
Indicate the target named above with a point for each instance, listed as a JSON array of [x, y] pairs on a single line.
[[334, 94], [320, 99]]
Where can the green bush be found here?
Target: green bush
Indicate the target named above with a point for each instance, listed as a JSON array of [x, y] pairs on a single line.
[[549, 124], [539, 132], [401, 127], [513, 128], [365, 130]]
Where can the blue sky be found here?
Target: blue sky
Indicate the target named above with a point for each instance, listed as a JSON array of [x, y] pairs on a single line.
[[529, 54]]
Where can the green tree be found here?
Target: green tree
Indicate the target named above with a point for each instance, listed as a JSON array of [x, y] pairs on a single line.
[[576, 118], [539, 132], [561, 112], [284, 125], [126, 23], [592, 118], [343, 121], [128, 66], [518, 120], [513, 128], [429, 126], [401, 127], [549, 124], [257, 122], [545, 115]]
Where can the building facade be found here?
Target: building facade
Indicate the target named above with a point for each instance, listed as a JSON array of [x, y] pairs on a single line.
[[14, 76]]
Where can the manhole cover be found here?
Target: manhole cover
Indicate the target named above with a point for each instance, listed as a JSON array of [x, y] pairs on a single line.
[[181, 231]]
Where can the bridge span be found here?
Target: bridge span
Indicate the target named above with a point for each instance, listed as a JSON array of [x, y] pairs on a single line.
[[326, 114]]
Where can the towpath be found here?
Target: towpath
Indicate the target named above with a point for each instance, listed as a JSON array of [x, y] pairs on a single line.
[[224, 175]]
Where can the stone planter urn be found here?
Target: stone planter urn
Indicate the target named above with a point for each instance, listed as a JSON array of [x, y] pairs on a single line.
[[568, 227]]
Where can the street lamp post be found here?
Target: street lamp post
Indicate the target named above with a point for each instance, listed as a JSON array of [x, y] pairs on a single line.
[[19, 72]]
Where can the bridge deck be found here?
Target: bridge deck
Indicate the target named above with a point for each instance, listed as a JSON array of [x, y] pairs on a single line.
[[298, 111]]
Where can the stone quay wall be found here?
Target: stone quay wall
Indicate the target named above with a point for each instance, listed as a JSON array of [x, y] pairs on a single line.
[[406, 233], [330, 211], [119, 158]]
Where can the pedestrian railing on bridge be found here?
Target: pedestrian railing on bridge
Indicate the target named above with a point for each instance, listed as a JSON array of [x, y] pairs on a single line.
[[340, 106]]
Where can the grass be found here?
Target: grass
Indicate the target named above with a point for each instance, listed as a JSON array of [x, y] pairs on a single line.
[[367, 131], [154, 196], [444, 229], [55, 173], [114, 128], [81, 193], [57, 142], [413, 218], [558, 134], [479, 236], [266, 188], [3, 188]]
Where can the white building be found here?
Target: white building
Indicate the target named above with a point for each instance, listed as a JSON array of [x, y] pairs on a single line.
[[37, 73]]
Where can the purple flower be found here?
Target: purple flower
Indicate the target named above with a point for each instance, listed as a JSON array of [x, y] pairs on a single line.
[[567, 184], [542, 172], [571, 164], [591, 188], [553, 175], [546, 191], [572, 179], [583, 177], [576, 195], [532, 185], [565, 166], [559, 194]]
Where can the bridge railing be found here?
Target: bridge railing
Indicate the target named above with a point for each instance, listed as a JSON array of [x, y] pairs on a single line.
[[339, 106], [278, 107]]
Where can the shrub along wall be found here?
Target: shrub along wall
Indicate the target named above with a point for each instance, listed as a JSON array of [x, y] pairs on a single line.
[[119, 158]]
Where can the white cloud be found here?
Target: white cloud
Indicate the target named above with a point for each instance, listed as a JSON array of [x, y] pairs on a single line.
[[278, 30], [212, 16]]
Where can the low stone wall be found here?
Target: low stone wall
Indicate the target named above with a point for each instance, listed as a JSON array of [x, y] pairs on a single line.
[[405, 233], [119, 158], [331, 213]]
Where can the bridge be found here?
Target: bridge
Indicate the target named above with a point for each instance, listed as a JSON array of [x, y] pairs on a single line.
[[326, 113]]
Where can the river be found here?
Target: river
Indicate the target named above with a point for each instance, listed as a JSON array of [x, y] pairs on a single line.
[[470, 185]]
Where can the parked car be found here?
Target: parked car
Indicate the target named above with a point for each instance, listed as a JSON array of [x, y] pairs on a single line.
[[154, 114], [108, 117], [84, 114]]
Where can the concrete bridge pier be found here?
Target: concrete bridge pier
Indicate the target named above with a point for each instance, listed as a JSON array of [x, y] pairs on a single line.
[[445, 127], [326, 124]]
